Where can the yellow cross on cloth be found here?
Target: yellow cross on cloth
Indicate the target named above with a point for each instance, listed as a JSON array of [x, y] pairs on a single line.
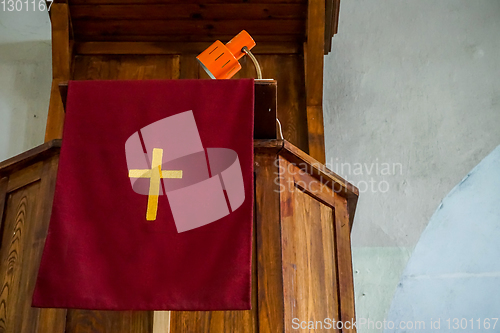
[[154, 174]]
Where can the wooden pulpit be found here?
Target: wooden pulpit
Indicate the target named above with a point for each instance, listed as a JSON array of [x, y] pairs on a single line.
[[303, 212]]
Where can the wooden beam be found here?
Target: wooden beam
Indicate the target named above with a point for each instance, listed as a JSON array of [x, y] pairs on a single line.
[[61, 66], [111, 28], [86, 48], [180, 11], [313, 57], [186, 38], [201, 2]]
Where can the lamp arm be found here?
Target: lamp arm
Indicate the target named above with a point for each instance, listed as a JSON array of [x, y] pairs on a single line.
[[255, 62]]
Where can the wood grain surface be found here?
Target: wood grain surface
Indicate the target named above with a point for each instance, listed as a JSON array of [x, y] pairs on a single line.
[[309, 263], [61, 67], [25, 203]]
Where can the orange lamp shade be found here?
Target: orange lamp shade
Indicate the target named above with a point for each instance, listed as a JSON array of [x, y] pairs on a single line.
[[221, 61]]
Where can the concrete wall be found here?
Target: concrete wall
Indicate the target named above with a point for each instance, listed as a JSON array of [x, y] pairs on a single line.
[[25, 79], [411, 87]]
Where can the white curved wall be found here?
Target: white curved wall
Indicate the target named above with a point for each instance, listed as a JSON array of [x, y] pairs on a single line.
[[453, 275]]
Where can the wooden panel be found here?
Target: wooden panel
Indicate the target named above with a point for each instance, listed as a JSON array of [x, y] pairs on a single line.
[[309, 264], [268, 232], [212, 322], [83, 28], [61, 63], [222, 321], [316, 133], [189, 66], [242, 11], [30, 174], [313, 53], [52, 321], [309, 166], [267, 292], [287, 70], [344, 258], [126, 67], [17, 261], [49, 320], [225, 37], [192, 48], [86, 321], [148, 2], [26, 195], [265, 110]]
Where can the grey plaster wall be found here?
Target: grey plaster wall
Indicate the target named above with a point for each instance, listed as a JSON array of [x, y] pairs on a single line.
[[411, 87], [25, 79]]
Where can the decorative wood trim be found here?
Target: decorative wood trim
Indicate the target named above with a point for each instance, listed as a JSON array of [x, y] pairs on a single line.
[[271, 145], [31, 156], [318, 170], [29, 174], [297, 156], [315, 189]]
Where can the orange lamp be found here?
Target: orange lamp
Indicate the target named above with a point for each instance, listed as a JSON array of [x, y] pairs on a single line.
[[221, 61]]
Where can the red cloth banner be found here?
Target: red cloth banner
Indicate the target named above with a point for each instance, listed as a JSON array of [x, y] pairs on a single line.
[[154, 198]]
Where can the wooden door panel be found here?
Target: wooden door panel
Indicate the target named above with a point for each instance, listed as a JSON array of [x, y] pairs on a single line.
[[309, 261], [18, 261]]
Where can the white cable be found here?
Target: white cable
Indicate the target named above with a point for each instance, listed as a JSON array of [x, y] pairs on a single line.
[[281, 132]]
